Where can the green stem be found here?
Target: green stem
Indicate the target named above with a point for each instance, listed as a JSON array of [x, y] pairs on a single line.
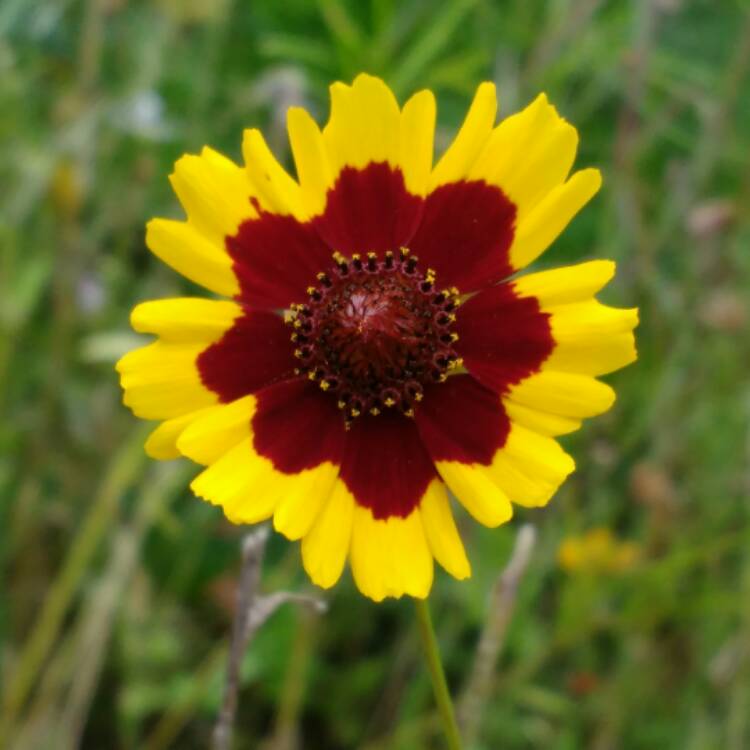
[[439, 685]]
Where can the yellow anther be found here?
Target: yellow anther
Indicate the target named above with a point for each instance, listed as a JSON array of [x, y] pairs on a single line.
[[298, 353], [356, 256], [311, 290], [324, 385], [297, 323], [321, 276], [312, 375], [341, 404], [374, 411], [389, 402], [338, 257], [355, 412], [409, 412], [373, 256], [454, 337], [418, 396]]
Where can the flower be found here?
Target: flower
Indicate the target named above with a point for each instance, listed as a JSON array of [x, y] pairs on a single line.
[[375, 351], [598, 551]]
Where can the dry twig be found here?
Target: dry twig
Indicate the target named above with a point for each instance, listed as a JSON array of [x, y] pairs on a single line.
[[493, 635], [253, 609]]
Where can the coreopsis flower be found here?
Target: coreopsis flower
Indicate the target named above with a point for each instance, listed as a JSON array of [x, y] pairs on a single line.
[[376, 348]]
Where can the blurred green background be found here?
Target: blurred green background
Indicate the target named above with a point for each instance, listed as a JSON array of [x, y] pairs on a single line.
[[118, 585]]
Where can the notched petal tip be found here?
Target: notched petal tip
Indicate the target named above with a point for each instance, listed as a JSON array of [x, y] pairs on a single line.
[[296, 114], [338, 90], [368, 79], [181, 163]]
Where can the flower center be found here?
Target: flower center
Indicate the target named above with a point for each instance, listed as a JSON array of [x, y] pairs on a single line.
[[375, 332]]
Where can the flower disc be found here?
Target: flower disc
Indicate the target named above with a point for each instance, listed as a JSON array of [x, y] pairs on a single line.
[[374, 333]]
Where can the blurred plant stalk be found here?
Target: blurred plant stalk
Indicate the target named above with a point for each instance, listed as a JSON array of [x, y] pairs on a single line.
[[492, 639], [120, 475]]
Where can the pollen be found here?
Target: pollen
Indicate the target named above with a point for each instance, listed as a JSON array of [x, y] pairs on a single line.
[[375, 333]]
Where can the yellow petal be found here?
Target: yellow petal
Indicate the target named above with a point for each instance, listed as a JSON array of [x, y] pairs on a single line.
[[545, 166], [183, 248], [277, 192], [594, 356], [244, 484], [296, 499], [364, 126], [390, 557], [477, 492], [325, 547], [540, 421], [542, 225], [214, 192], [304, 500], [580, 322], [530, 467], [161, 444], [564, 393], [217, 430], [591, 338], [471, 139], [568, 284], [416, 143], [441, 532], [185, 319], [313, 167], [161, 380], [513, 141]]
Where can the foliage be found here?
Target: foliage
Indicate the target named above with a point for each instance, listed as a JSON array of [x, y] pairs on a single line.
[[119, 585]]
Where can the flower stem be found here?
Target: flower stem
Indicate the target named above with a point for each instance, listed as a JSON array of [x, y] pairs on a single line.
[[439, 685]]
